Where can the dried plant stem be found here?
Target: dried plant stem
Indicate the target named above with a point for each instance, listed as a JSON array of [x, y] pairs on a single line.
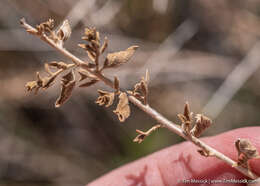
[[146, 108]]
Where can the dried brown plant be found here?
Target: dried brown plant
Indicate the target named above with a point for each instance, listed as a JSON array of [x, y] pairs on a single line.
[[91, 72]]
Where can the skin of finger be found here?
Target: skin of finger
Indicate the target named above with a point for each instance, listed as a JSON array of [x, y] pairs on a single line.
[[180, 163]]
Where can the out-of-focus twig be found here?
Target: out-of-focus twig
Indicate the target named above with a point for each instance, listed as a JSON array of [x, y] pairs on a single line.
[[235, 80]]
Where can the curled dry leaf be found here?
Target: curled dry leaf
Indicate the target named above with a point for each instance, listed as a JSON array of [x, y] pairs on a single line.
[[141, 89], [201, 124], [118, 58], [105, 98], [123, 109], [43, 83], [142, 135], [67, 85], [64, 32]]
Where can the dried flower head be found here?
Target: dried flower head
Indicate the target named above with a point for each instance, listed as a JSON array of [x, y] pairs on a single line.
[[122, 109], [105, 98], [90, 34], [45, 26], [246, 151], [201, 124]]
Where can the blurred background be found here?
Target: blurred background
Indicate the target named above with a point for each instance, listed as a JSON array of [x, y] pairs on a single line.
[[204, 52]]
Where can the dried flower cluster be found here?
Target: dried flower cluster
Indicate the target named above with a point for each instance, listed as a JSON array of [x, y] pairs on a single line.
[[246, 151], [201, 123], [87, 73]]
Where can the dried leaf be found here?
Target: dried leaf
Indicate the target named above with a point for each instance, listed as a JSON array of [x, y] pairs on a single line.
[[48, 81], [118, 58], [105, 98], [64, 32], [91, 55], [187, 112], [59, 65], [140, 91], [87, 74], [95, 45], [104, 46], [87, 47], [87, 84], [116, 84], [123, 109], [186, 119], [68, 83], [201, 124], [142, 135]]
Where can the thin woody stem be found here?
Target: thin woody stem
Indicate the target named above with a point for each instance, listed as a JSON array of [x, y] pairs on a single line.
[[146, 108]]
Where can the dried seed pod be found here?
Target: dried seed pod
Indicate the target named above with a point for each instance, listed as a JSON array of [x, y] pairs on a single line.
[[67, 85], [201, 124], [64, 32], [118, 58], [123, 109], [105, 98]]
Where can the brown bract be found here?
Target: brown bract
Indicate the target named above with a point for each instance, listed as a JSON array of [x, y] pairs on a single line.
[[122, 109]]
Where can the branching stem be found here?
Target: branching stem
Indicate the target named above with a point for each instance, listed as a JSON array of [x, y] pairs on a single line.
[[146, 108]]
